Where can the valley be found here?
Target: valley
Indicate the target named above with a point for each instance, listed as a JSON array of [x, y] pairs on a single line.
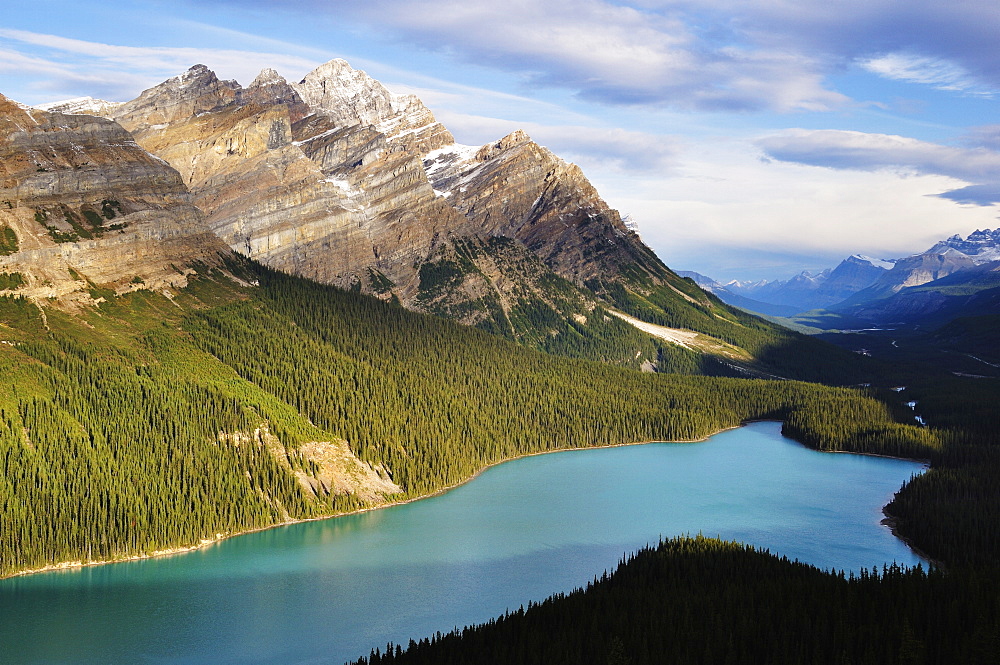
[[224, 309]]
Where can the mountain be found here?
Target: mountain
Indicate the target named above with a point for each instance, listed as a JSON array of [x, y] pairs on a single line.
[[910, 271], [856, 288], [727, 295], [970, 291], [797, 292], [807, 291], [802, 292], [336, 179], [162, 391], [952, 278], [82, 206], [80, 106], [851, 275], [982, 246]]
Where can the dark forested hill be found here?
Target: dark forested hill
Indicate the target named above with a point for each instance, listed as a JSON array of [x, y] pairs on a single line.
[[700, 601]]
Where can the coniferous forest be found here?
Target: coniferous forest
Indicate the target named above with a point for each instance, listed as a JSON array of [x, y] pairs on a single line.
[[135, 427], [133, 433]]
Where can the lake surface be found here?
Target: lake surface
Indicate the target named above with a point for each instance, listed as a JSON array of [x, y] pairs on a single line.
[[330, 591]]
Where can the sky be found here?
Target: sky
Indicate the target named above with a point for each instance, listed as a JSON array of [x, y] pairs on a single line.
[[748, 139]]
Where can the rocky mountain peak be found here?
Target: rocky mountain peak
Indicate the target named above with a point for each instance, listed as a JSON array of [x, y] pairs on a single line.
[[195, 91], [269, 88], [347, 95], [268, 76], [982, 246], [865, 260], [492, 150], [338, 179]]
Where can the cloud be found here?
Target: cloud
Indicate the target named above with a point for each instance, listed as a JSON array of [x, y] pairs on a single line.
[[703, 54], [958, 36], [837, 149], [935, 72], [979, 195], [609, 149], [987, 136], [63, 67], [610, 53], [602, 51], [728, 216]]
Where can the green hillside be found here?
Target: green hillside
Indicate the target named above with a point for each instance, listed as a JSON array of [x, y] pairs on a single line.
[[147, 423]]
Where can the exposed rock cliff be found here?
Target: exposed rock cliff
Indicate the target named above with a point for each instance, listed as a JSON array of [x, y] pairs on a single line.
[[518, 189], [324, 196], [82, 205], [337, 179], [349, 97]]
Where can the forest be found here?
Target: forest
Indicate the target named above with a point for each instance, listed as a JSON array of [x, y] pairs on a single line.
[[698, 600], [134, 427], [134, 431]]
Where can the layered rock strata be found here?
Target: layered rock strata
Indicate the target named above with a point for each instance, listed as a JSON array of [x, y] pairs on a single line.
[[519, 189], [321, 194], [81, 204], [337, 179]]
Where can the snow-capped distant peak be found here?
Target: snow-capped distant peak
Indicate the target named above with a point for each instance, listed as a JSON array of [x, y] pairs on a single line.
[[746, 285], [885, 264], [79, 105]]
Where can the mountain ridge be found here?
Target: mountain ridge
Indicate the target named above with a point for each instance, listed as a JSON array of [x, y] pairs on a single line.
[[506, 236]]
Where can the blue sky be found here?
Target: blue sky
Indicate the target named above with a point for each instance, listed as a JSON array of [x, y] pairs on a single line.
[[747, 138]]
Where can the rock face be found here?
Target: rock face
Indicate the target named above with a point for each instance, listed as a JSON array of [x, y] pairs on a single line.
[[324, 196], [518, 189], [982, 246], [955, 277], [349, 97], [337, 179], [81, 204], [912, 271]]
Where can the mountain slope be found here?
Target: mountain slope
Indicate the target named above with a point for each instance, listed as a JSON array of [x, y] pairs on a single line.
[[951, 279], [289, 399], [82, 205], [336, 179]]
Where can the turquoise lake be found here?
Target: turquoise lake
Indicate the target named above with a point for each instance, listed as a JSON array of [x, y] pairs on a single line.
[[330, 591]]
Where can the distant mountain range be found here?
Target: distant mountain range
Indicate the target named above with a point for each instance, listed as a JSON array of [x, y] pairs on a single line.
[[951, 279], [802, 292]]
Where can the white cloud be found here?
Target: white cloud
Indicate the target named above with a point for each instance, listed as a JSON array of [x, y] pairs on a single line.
[[610, 53], [73, 67], [840, 149], [605, 148], [718, 55], [728, 215], [935, 72]]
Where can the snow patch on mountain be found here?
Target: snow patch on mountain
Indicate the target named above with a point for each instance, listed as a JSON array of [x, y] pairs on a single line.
[[982, 245], [885, 264], [80, 106]]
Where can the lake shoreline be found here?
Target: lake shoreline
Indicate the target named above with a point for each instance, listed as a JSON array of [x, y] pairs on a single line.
[[207, 542]]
